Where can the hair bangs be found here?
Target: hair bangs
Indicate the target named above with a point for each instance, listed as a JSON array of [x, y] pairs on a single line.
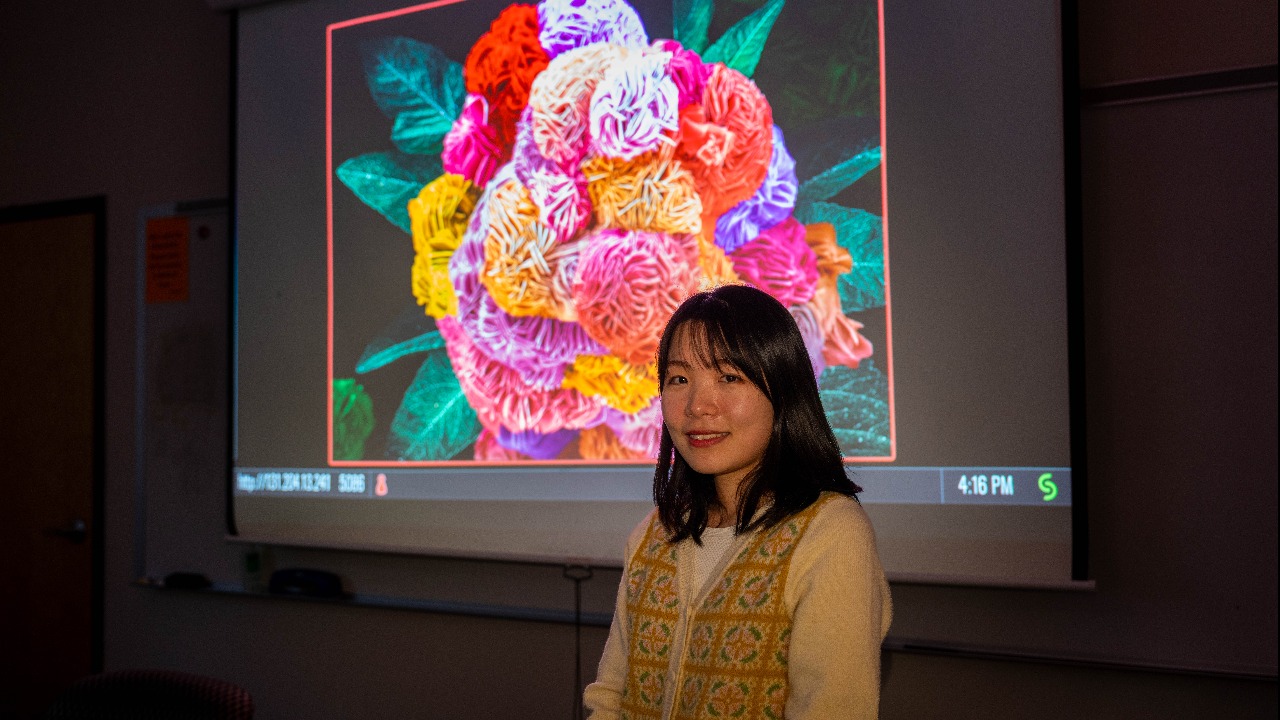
[[709, 328]]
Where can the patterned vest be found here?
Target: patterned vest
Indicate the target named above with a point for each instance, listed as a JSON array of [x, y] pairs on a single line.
[[734, 660]]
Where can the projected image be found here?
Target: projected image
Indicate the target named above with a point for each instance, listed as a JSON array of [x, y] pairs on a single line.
[[515, 212]]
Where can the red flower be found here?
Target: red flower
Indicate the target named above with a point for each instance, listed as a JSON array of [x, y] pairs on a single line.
[[726, 141], [502, 65]]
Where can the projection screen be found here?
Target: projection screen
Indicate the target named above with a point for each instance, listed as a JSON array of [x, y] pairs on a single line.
[[460, 225]]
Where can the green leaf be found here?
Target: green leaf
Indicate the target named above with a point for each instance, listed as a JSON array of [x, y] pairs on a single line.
[[862, 234], [352, 419], [376, 359], [741, 45], [434, 421], [420, 132], [412, 331], [856, 401], [387, 183], [828, 141], [824, 62], [408, 75], [827, 184], [691, 20]]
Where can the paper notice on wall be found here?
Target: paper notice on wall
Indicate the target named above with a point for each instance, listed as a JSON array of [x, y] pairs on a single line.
[[168, 257]]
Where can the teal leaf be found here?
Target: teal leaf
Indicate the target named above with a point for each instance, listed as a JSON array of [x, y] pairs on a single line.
[[412, 331], [825, 185], [856, 401], [829, 140], [691, 20], [862, 234], [352, 419], [420, 132], [374, 359], [387, 184], [434, 421], [741, 45], [408, 75]]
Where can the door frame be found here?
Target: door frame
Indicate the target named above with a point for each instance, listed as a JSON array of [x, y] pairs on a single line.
[[96, 207]]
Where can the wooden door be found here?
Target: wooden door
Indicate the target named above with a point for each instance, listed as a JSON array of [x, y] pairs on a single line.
[[50, 524]]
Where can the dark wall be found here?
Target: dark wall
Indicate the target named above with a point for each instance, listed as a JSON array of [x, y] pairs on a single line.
[[1178, 234]]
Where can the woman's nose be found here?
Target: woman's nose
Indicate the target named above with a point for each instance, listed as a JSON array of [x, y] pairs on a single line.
[[702, 400]]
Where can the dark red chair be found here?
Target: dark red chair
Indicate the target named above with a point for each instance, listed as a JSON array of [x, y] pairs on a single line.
[[151, 695]]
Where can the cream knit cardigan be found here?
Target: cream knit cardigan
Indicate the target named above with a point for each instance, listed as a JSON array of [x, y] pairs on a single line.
[[840, 612]]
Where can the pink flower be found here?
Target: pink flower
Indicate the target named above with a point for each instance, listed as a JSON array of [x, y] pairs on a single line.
[[687, 71], [628, 284], [842, 343], [560, 192], [487, 449], [471, 147], [811, 331], [779, 262], [502, 399], [639, 431]]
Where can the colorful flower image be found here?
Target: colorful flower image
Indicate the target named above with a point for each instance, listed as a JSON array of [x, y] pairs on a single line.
[[522, 194]]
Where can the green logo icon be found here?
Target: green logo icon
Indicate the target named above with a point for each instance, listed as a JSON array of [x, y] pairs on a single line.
[[1048, 486]]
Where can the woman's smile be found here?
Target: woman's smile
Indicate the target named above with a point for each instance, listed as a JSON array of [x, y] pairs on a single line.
[[700, 439]]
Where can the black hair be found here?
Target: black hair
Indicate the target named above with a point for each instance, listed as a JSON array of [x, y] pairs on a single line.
[[753, 332]]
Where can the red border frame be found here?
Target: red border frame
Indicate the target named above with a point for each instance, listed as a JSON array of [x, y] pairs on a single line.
[[328, 132]]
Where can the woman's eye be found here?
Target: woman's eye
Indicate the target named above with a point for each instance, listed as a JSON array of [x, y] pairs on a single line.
[[731, 378], [676, 380]]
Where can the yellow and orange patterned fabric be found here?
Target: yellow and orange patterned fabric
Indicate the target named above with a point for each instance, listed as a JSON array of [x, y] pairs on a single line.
[[734, 653]]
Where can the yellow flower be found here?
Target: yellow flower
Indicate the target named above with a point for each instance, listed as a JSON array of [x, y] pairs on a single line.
[[623, 386], [439, 219]]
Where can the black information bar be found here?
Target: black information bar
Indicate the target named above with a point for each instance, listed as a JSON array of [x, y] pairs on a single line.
[[881, 485]]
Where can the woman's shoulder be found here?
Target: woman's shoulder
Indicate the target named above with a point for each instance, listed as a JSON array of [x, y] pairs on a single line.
[[840, 518], [837, 551]]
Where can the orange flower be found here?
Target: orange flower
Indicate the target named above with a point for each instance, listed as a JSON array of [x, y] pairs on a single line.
[[717, 268], [842, 344], [599, 443], [652, 191], [526, 269]]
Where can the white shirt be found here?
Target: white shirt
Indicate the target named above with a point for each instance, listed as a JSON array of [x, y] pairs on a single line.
[[715, 543]]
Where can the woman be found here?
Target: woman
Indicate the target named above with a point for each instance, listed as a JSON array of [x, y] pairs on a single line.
[[753, 589]]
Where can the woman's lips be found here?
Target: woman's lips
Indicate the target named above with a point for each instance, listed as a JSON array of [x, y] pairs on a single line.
[[705, 439]]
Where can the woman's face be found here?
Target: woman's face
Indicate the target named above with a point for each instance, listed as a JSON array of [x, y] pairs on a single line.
[[719, 421]]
